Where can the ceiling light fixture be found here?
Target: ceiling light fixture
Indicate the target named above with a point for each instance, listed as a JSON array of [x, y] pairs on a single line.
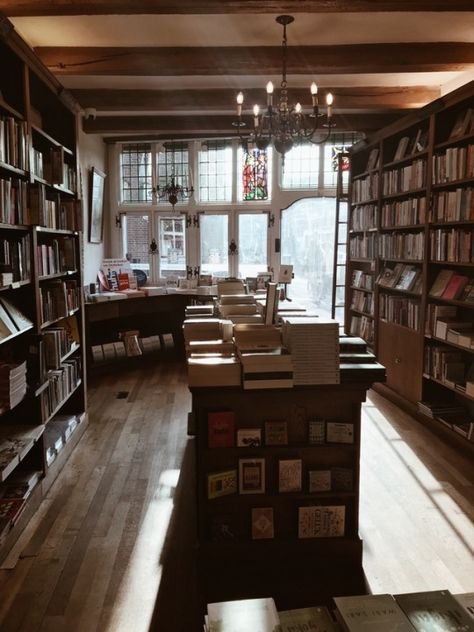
[[285, 125], [174, 191]]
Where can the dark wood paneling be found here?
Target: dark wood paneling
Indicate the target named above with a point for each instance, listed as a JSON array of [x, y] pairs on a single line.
[[195, 100], [257, 60], [97, 7]]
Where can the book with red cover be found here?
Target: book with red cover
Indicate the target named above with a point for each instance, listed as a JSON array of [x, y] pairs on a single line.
[[455, 286], [123, 281], [221, 429]]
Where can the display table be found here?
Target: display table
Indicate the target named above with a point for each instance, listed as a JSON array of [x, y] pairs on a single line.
[[293, 565]]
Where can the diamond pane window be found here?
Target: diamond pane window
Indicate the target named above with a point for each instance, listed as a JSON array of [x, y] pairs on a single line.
[[135, 174], [254, 174], [215, 172], [301, 168], [173, 161]]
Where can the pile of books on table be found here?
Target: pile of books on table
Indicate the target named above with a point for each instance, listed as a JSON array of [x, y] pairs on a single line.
[[437, 611], [314, 346]]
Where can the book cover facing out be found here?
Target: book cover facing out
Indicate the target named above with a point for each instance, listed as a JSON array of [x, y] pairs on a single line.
[[221, 429]]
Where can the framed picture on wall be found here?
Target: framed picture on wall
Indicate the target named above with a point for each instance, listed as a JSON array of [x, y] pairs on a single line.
[[96, 206]]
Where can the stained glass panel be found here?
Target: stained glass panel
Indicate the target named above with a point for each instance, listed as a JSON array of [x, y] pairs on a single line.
[[255, 175]]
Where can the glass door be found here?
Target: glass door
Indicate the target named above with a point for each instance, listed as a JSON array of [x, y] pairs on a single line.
[[214, 236], [252, 244], [136, 240], [170, 233]]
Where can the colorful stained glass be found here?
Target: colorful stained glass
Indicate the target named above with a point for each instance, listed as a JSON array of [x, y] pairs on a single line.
[[254, 175], [336, 150]]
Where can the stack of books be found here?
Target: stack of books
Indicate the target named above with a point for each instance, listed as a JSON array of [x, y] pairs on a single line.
[[12, 385], [258, 615], [239, 308], [314, 345], [199, 311]]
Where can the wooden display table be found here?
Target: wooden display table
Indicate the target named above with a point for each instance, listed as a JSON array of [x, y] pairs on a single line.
[[295, 570]]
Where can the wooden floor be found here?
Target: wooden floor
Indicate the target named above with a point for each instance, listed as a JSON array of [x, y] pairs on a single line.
[[111, 548]]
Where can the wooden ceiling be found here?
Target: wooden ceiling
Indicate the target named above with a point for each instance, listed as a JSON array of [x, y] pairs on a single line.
[[167, 69]]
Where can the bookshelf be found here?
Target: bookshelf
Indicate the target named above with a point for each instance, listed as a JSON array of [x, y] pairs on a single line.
[[265, 457], [412, 187], [42, 361]]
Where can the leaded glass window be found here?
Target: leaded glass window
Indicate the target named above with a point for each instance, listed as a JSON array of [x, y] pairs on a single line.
[[136, 174], [301, 167], [215, 172], [173, 161]]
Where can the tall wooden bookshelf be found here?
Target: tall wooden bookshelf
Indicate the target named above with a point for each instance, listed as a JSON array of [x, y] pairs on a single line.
[[42, 380], [412, 211]]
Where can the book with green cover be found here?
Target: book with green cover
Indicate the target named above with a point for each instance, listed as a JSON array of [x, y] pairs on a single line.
[[435, 611], [375, 613]]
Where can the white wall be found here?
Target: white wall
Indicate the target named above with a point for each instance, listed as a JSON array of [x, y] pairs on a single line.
[[92, 153]]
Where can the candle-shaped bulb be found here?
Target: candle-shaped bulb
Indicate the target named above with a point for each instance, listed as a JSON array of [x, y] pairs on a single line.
[[314, 94], [256, 111], [329, 102], [269, 93], [240, 100], [298, 108]]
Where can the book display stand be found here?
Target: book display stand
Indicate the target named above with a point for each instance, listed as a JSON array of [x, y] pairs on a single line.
[[411, 261]]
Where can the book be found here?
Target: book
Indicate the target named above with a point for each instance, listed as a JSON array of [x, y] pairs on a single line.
[[389, 276], [339, 432], [321, 521], [262, 523], [401, 148], [20, 320], [455, 286], [372, 162], [342, 479], [462, 124], [221, 483], [258, 615], [467, 602], [289, 475], [251, 476], [316, 431], [249, 437], [435, 611], [276, 433], [319, 481], [221, 429], [407, 278], [441, 283], [375, 613], [315, 619]]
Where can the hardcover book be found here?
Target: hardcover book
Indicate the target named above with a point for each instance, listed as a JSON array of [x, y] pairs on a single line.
[[321, 521], [262, 523], [221, 429], [342, 479], [276, 433], [315, 619], [221, 483], [339, 432], [319, 481], [375, 613], [316, 431], [455, 286], [435, 611], [249, 437], [258, 615], [289, 475], [441, 282], [251, 476]]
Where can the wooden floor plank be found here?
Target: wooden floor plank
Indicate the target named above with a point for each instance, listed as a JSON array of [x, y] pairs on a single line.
[[111, 549]]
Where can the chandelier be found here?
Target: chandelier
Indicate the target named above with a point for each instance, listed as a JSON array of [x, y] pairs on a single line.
[[174, 191], [285, 125]]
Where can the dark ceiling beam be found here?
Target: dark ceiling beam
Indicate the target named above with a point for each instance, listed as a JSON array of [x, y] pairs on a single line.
[[365, 98], [215, 124], [259, 60], [103, 7]]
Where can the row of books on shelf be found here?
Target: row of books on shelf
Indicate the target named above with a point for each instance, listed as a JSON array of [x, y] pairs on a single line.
[[13, 142], [58, 298], [362, 302], [443, 322], [16, 441], [408, 178], [362, 280], [403, 212], [400, 310], [364, 217], [58, 255], [50, 166], [455, 244], [453, 206], [363, 327], [363, 247], [402, 276], [410, 145], [452, 415], [252, 476], [428, 611], [401, 245], [59, 341], [57, 433], [365, 189], [451, 367], [222, 432], [131, 345], [13, 496], [451, 285], [13, 201], [15, 259], [12, 320], [61, 383], [456, 163]]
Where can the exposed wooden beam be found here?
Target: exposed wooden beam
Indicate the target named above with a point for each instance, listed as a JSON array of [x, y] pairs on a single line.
[[361, 98], [103, 7], [261, 60], [214, 124]]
